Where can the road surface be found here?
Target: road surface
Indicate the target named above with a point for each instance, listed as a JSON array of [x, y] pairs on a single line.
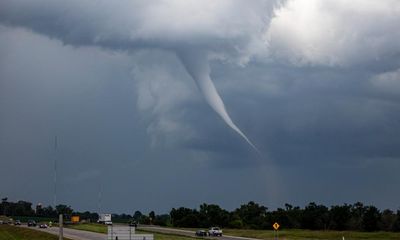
[[85, 235], [187, 233], [73, 234]]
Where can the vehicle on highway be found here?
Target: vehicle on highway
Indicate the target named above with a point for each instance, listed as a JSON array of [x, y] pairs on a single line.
[[31, 223], [17, 222], [108, 223], [43, 225], [9, 221], [215, 231], [133, 224], [201, 233]]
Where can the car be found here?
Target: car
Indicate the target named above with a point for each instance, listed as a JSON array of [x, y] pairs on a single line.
[[43, 225], [31, 223], [133, 224], [17, 222], [215, 231], [201, 233], [108, 223]]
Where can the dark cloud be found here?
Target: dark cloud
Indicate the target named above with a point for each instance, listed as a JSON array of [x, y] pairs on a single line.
[[325, 115]]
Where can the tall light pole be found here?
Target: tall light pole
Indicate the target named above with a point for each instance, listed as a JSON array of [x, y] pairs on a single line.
[[55, 171]]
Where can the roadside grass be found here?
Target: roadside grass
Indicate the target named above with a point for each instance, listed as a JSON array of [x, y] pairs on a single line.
[[8, 232], [299, 234], [91, 227], [100, 228], [291, 234], [168, 236]]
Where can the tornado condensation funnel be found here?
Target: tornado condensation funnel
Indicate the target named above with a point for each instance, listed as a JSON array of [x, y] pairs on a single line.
[[196, 64]]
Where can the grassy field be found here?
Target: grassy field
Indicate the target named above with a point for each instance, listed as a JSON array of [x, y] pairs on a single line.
[[91, 227], [100, 228], [294, 234], [8, 232], [297, 234]]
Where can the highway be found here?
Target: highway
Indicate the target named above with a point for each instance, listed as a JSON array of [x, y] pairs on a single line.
[[186, 232], [73, 234], [85, 235]]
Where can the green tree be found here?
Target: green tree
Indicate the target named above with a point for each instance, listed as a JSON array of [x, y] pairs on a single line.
[[340, 217], [137, 215], [387, 221], [315, 217], [4, 206], [49, 212], [152, 216], [64, 209], [162, 220], [357, 213], [396, 225], [253, 215], [213, 215], [184, 217], [23, 208], [370, 219]]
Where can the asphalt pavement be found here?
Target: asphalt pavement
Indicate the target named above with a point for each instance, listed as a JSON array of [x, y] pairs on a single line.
[[85, 235], [187, 232], [72, 233]]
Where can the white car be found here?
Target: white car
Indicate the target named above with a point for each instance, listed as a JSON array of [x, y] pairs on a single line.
[[108, 223], [215, 231], [43, 225]]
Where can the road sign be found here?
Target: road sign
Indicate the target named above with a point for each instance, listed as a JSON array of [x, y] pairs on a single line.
[[126, 233], [276, 226], [75, 219]]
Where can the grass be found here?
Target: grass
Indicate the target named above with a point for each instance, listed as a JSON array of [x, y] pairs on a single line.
[[91, 227], [100, 228], [8, 232], [292, 234], [164, 236], [298, 234]]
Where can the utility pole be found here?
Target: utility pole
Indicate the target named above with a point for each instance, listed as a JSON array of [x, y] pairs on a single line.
[[100, 196], [55, 171], [60, 227]]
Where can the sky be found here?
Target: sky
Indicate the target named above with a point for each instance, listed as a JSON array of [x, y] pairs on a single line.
[[144, 98]]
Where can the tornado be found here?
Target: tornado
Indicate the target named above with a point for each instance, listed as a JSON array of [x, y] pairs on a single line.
[[130, 26], [197, 65]]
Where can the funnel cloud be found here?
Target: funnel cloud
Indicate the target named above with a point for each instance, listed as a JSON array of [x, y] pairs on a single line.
[[196, 64], [129, 26], [318, 82]]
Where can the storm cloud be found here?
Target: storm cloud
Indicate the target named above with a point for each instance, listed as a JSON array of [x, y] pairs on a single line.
[[314, 84]]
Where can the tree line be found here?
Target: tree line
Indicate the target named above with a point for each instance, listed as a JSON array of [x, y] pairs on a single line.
[[25, 209], [356, 217]]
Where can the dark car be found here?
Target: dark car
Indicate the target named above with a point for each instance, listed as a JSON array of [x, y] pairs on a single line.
[[17, 222], [201, 233], [31, 223]]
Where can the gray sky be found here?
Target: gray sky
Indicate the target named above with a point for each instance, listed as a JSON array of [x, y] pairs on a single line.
[[313, 84]]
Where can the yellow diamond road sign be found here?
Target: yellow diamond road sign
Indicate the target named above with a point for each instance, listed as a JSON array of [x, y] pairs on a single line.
[[276, 226]]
